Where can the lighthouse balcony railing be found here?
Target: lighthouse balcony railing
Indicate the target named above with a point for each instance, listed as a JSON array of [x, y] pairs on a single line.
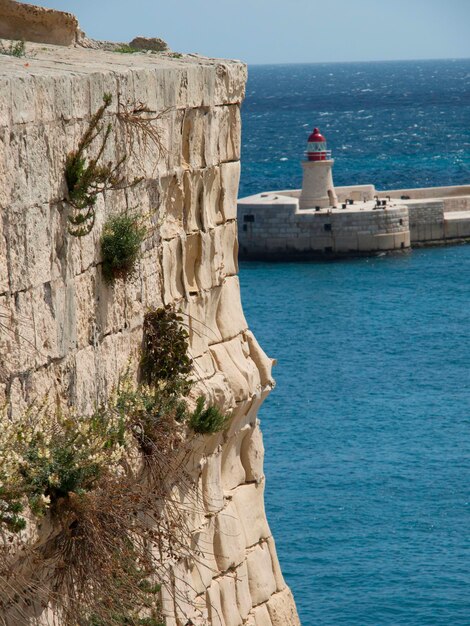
[[324, 155]]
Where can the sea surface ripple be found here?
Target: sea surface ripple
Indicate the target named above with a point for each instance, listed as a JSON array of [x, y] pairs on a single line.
[[367, 432]]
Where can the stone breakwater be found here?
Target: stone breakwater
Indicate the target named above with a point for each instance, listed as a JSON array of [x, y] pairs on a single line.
[[272, 226], [66, 332]]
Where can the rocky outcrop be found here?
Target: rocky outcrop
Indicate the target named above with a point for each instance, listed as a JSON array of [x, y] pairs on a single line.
[[32, 23], [65, 331], [149, 43]]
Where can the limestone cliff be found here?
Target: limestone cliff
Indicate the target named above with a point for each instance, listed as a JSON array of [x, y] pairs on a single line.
[[64, 330]]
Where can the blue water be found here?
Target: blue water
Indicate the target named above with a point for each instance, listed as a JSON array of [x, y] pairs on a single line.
[[397, 124], [367, 433]]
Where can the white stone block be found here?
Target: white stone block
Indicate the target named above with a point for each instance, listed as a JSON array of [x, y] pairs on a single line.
[[230, 317], [262, 361], [228, 597], [230, 174], [252, 454], [172, 270], [280, 583], [243, 591], [212, 490], [235, 378], [282, 610], [260, 574], [249, 502], [233, 472], [203, 565], [261, 615], [214, 604], [229, 539]]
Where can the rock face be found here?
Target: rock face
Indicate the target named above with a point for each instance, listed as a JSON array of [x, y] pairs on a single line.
[[149, 43], [65, 331], [32, 23]]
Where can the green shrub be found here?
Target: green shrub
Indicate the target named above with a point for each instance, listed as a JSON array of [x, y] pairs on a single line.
[[207, 420], [165, 356], [11, 507], [15, 49], [125, 49], [48, 456], [120, 245], [157, 404], [87, 178]]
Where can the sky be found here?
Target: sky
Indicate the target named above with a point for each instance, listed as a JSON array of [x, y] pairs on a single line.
[[289, 31]]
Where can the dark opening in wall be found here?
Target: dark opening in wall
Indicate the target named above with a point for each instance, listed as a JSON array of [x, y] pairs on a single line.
[[401, 222], [327, 227], [328, 249], [248, 218]]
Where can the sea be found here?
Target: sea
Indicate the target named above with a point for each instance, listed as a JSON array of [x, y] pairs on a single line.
[[367, 432]]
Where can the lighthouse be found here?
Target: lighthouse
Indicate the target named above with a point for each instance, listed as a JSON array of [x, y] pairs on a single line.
[[317, 185]]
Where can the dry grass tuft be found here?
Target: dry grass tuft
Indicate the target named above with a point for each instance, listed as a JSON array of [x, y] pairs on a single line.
[[140, 127]]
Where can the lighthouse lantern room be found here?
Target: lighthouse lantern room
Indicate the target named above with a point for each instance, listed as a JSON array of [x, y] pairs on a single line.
[[317, 185], [316, 147]]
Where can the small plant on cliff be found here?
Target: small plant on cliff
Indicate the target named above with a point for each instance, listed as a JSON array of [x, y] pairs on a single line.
[[15, 49], [49, 455], [166, 366], [165, 356], [87, 178], [157, 404], [142, 136], [120, 244], [106, 571], [207, 420], [125, 48]]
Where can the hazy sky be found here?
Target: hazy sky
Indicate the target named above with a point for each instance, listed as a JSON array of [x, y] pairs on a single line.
[[275, 31]]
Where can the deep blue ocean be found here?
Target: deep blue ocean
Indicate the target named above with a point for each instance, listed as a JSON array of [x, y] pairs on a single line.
[[367, 433]]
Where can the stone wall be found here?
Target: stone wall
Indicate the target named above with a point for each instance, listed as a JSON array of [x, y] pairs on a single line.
[[426, 220], [421, 193], [439, 219], [272, 227], [66, 332]]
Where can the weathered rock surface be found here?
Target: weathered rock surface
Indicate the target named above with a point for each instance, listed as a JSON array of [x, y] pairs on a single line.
[[149, 43], [65, 331], [32, 23]]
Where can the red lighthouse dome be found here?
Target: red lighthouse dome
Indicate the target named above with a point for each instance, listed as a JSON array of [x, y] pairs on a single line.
[[316, 147]]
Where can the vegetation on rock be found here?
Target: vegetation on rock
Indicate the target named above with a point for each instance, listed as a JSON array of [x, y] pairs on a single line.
[[121, 240], [104, 483], [165, 349], [207, 420], [87, 178], [125, 49], [15, 49]]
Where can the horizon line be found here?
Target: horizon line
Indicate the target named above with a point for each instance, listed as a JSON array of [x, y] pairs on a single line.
[[368, 61]]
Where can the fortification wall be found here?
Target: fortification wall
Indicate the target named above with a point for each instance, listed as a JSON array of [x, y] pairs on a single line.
[[276, 229], [421, 193], [271, 226], [66, 332]]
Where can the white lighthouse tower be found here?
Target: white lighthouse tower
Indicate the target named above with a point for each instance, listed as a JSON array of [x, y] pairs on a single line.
[[317, 185]]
